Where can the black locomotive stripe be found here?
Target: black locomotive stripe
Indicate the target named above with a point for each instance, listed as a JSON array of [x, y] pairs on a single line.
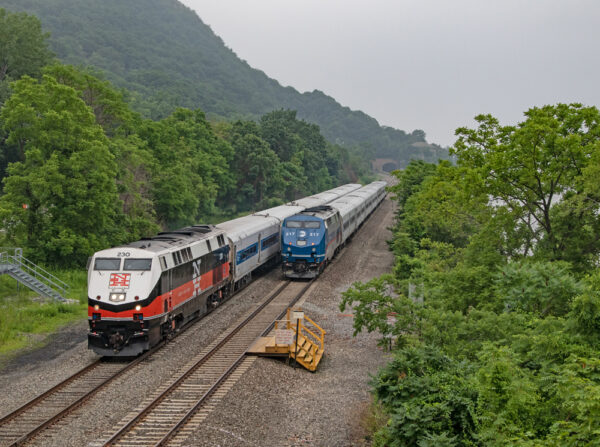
[[122, 306]]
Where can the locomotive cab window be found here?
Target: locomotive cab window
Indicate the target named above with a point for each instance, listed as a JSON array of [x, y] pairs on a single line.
[[302, 224], [137, 264], [293, 224], [107, 264]]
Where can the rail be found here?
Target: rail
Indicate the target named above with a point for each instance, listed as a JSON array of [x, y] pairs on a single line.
[[231, 350]]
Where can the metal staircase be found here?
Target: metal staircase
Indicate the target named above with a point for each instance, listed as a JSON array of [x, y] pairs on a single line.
[[32, 276]]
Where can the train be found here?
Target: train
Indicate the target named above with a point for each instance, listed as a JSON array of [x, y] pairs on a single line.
[[145, 291], [311, 238]]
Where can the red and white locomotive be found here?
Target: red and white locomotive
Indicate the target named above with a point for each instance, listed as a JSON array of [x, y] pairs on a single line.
[[142, 292]]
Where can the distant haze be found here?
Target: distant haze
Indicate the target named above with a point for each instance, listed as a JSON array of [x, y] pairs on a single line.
[[418, 64]]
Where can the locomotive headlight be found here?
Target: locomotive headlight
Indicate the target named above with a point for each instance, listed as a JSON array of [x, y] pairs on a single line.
[[96, 307], [289, 248], [116, 297], [314, 249], [138, 307]]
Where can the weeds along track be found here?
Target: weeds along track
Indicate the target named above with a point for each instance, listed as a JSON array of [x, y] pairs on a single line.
[[162, 418]]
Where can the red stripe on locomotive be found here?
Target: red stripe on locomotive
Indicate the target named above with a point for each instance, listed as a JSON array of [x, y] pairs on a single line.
[[178, 296]]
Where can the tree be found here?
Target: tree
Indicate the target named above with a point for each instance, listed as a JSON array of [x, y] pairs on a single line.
[[257, 167], [500, 346], [61, 201], [23, 51], [109, 107], [529, 168], [294, 140], [191, 169], [23, 47], [410, 180]]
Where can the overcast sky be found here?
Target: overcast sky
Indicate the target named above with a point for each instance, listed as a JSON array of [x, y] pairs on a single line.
[[421, 64]]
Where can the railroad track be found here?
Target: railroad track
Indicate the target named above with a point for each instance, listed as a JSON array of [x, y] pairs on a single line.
[[165, 414], [48, 408]]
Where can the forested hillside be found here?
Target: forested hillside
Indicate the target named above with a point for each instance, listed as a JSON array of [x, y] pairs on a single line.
[[166, 57], [82, 171], [493, 306]]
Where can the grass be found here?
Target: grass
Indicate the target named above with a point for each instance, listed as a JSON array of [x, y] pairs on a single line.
[[373, 419], [26, 319]]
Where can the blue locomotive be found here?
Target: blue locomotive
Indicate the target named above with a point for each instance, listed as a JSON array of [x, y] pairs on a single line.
[[311, 238]]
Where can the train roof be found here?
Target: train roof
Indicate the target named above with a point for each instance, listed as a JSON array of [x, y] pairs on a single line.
[[245, 226], [172, 240], [351, 201], [320, 212], [326, 196], [280, 212]]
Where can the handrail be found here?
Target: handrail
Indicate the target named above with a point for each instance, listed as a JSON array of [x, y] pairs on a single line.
[[41, 273], [34, 270], [290, 325], [320, 339], [315, 325]]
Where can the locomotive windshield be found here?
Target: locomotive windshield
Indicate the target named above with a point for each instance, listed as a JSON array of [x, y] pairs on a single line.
[[302, 224], [107, 264], [137, 264]]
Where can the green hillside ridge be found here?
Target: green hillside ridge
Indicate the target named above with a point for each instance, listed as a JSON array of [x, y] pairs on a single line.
[[163, 53]]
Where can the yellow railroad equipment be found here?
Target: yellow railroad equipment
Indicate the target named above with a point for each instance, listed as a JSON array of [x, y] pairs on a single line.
[[297, 337]]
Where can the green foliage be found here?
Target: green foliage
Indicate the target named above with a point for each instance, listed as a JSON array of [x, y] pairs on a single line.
[[499, 344], [585, 310], [191, 166], [109, 106], [294, 140], [443, 210], [543, 288], [23, 46], [410, 180], [428, 398], [375, 306], [85, 172], [25, 320], [258, 168], [282, 158], [63, 191], [23, 51], [527, 168]]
